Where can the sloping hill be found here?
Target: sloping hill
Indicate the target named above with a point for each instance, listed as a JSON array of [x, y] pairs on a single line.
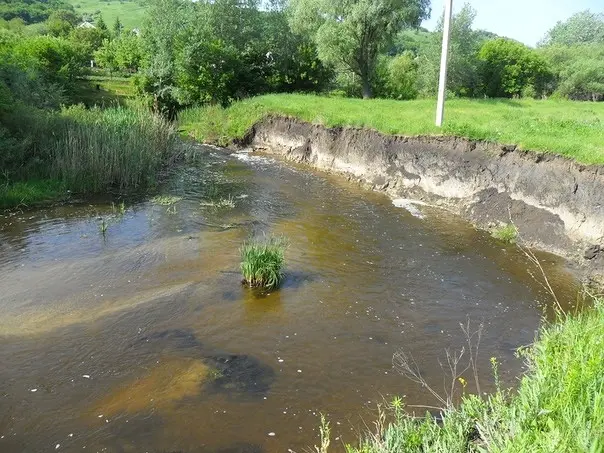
[[130, 12]]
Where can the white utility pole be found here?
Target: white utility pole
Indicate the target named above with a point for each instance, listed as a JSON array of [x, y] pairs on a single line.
[[442, 82]]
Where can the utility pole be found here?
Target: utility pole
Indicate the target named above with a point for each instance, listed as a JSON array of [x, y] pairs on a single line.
[[442, 81]]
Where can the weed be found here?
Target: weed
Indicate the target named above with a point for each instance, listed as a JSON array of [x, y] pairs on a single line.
[[506, 233], [103, 226], [262, 262], [165, 200], [228, 202]]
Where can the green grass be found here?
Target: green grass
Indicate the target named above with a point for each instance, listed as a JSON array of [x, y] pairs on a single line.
[[112, 92], [558, 407], [574, 129], [31, 193], [98, 149], [130, 12], [506, 233], [262, 262]]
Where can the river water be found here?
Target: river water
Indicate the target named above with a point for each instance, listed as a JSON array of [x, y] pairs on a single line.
[[142, 338]]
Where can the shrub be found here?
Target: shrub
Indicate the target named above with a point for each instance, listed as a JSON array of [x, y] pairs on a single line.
[[262, 262]]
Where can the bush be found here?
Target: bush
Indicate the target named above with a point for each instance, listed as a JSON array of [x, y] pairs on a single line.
[[262, 262]]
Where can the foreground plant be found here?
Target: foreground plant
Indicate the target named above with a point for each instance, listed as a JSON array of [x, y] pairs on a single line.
[[558, 407], [506, 233], [262, 262]]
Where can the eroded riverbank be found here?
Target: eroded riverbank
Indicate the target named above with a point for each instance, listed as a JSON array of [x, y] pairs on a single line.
[[556, 203], [142, 338]]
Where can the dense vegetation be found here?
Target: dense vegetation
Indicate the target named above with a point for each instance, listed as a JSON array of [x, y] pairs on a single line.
[[574, 129]]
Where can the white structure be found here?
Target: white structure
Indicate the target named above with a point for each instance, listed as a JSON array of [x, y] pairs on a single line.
[[86, 24], [442, 82]]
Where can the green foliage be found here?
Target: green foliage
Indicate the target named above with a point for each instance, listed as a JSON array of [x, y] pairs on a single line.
[[61, 23], [582, 28], [222, 51], [57, 61], [124, 53], [31, 11], [396, 77], [31, 192], [351, 34], [558, 406], [509, 66], [578, 70], [463, 70], [573, 129], [506, 233], [94, 150], [262, 262]]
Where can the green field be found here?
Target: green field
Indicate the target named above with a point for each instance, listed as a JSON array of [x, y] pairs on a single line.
[[574, 129], [130, 12]]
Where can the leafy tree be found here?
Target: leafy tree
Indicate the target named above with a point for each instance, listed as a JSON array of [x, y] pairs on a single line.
[[31, 11], [582, 28], [578, 70], [117, 27], [353, 32], [90, 38], [101, 25], [509, 67], [61, 23], [463, 75], [397, 77]]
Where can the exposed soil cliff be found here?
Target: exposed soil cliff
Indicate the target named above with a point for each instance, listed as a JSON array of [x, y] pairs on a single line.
[[557, 204]]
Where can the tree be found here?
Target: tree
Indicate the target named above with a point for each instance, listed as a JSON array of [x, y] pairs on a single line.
[[579, 70], [354, 32], [117, 27], [101, 25], [463, 74], [509, 67], [61, 23], [582, 28]]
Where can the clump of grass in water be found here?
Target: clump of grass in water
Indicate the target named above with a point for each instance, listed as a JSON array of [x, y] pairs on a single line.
[[228, 202], [262, 262], [165, 200], [506, 233]]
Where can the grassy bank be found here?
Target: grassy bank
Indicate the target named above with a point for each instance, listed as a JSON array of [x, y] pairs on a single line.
[[574, 129], [558, 407], [85, 151]]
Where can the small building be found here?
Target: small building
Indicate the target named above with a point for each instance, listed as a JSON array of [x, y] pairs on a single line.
[[86, 24]]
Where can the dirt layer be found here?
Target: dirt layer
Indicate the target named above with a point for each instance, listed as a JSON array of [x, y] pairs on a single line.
[[556, 203]]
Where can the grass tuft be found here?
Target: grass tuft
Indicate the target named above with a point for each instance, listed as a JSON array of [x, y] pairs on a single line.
[[262, 262], [506, 233], [32, 192]]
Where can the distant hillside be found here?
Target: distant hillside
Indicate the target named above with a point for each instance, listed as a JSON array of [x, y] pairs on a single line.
[[130, 12]]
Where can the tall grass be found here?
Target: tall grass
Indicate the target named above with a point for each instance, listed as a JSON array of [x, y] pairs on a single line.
[[558, 407], [570, 128], [97, 149], [262, 262]]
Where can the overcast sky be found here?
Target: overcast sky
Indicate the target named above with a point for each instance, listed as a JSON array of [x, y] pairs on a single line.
[[524, 20]]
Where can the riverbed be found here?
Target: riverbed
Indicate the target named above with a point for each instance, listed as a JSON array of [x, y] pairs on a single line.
[[125, 328]]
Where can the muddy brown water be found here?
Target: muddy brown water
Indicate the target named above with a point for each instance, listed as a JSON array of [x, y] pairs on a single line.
[[143, 339]]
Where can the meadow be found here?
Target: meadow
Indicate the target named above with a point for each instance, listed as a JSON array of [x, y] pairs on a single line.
[[569, 128], [130, 12]]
